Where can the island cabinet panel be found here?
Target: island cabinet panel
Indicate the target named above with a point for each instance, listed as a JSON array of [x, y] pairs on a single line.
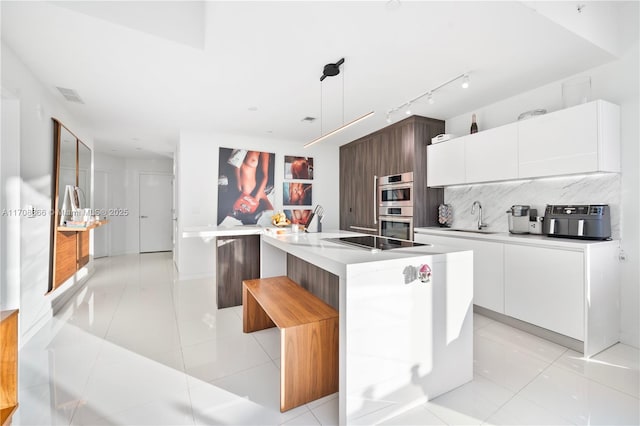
[[322, 284], [398, 148], [238, 258]]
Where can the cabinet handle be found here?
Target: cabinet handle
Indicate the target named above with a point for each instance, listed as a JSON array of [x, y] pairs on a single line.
[[362, 228], [375, 205], [144, 217]]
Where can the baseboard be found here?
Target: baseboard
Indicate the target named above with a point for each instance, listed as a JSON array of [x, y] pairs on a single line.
[[543, 333], [33, 330], [61, 301]]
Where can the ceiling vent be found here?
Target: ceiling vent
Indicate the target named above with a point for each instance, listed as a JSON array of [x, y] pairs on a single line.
[[308, 119], [70, 95]]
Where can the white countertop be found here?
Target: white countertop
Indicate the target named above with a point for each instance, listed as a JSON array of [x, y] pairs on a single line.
[[318, 245], [220, 231], [505, 237]]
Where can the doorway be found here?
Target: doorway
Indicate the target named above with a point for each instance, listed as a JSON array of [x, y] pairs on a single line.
[[156, 212], [102, 234]]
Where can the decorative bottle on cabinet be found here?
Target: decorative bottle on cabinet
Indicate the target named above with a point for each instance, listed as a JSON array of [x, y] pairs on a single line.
[[474, 125]]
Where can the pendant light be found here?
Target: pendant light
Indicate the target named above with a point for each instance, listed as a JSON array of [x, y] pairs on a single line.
[[331, 70]]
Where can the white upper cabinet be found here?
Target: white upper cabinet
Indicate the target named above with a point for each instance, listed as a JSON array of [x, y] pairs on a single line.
[[492, 155], [445, 163], [581, 139]]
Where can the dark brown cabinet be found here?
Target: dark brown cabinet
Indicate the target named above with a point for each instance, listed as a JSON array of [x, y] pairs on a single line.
[[238, 258], [398, 148]]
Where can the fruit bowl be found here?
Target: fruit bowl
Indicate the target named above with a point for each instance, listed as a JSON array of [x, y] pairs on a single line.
[[281, 224]]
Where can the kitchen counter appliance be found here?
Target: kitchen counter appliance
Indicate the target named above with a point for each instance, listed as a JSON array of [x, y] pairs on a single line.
[[518, 216], [586, 221]]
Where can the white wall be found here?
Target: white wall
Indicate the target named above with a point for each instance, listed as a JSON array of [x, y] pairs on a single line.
[[616, 82], [10, 203], [197, 180], [124, 194], [37, 106]]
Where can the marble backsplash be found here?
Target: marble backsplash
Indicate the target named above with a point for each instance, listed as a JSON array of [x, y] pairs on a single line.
[[497, 198]]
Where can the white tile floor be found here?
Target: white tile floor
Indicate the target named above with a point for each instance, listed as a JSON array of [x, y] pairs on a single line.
[[138, 347]]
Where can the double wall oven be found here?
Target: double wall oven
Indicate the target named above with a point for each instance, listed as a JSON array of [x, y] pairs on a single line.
[[395, 206]]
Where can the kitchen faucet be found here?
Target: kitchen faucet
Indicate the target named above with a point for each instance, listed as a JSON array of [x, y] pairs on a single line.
[[473, 210]]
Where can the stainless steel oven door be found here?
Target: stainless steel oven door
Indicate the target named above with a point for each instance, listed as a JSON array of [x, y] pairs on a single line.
[[396, 227], [395, 195]]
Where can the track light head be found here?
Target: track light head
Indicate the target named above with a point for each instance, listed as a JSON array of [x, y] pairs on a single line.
[[430, 98], [465, 82]]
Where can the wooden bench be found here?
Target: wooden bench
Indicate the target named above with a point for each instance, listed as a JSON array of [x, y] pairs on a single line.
[[308, 336]]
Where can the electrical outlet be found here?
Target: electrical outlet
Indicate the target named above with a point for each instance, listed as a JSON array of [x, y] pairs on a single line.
[[622, 256]]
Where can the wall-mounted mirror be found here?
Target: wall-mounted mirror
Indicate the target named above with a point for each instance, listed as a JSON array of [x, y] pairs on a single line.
[[66, 173], [71, 194], [84, 175]]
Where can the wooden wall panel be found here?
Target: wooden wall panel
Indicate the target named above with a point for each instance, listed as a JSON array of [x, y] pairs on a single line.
[[65, 261], [398, 148], [320, 283], [83, 248]]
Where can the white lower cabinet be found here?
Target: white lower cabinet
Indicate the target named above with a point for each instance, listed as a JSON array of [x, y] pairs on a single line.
[[488, 271], [570, 287], [545, 287]]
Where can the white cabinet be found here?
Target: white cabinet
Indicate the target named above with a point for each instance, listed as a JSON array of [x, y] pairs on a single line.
[[581, 139], [445, 163], [570, 287], [492, 155], [545, 287], [488, 279]]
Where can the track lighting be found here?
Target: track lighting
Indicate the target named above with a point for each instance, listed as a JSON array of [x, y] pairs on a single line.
[[465, 82], [429, 94]]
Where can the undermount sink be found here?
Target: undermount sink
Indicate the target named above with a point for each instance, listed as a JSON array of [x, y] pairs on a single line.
[[475, 231]]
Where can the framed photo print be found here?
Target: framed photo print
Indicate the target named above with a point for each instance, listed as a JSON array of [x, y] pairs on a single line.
[[296, 194], [245, 185], [298, 167]]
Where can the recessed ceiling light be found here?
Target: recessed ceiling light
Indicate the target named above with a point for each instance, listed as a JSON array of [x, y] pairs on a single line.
[[269, 131], [138, 149], [253, 108]]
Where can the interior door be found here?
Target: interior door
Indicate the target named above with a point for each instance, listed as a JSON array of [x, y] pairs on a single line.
[[156, 219], [101, 235]]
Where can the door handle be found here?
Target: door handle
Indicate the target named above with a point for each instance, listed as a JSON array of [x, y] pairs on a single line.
[[144, 217], [375, 205]]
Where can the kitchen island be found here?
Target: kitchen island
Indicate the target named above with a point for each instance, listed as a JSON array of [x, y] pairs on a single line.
[[405, 337]]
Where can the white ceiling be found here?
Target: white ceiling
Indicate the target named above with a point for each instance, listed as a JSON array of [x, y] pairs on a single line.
[[147, 70]]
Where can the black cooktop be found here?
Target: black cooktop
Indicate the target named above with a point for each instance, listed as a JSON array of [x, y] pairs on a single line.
[[372, 242]]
